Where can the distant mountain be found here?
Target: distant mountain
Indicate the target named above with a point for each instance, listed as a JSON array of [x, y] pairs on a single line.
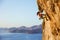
[[30, 30], [4, 30], [13, 29], [23, 29]]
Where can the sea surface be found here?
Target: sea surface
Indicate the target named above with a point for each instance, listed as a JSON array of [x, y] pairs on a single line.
[[20, 36]]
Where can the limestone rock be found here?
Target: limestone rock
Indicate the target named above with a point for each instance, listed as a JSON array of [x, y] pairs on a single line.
[[51, 24]]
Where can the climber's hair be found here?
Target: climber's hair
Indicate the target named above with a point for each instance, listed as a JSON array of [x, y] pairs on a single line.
[[38, 12]]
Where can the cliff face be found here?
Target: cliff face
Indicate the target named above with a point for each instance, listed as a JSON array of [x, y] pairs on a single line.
[[51, 22]]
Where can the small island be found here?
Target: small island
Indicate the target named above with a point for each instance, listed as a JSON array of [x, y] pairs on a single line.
[[23, 29], [29, 30]]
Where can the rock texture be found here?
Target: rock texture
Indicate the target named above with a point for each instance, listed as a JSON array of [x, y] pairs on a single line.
[[51, 22]]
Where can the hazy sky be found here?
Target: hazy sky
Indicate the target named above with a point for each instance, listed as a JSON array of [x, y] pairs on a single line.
[[15, 13]]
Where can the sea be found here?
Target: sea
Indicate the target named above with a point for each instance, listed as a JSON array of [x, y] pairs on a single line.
[[20, 36]]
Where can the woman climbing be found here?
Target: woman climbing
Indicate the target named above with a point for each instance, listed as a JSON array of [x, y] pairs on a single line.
[[40, 15]]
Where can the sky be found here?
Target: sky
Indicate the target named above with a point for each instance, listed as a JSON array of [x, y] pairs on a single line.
[[16, 13]]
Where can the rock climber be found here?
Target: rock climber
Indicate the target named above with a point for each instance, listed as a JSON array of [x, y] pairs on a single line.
[[40, 15]]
